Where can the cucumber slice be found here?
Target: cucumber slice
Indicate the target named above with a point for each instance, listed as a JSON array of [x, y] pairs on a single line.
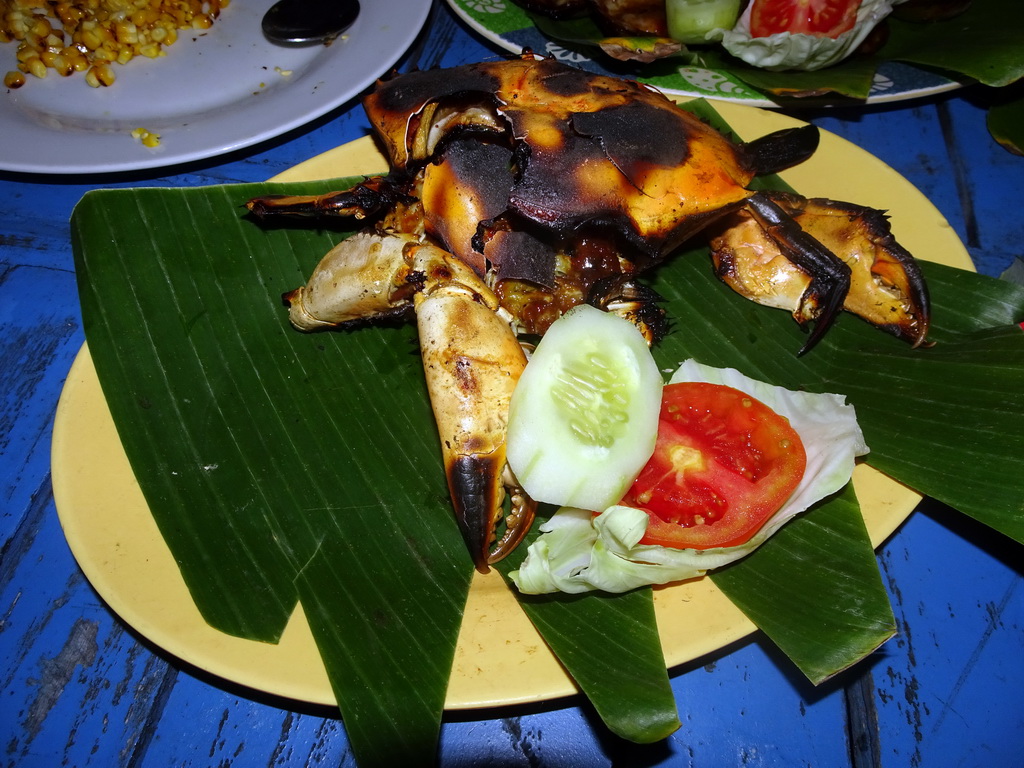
[[584, 416], [690, 20]]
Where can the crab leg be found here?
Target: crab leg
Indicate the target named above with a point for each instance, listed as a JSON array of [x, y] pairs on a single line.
[[828, 276], [392, 206], [886, 286], [472, 362], [370, 196], [471, 358], [779, 150], [364, 277]]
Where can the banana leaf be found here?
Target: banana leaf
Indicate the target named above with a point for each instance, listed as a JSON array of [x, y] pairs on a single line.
[[623, 674], [236, 427], [982, 43], [770, 590], [947, 421], [1006, 123]]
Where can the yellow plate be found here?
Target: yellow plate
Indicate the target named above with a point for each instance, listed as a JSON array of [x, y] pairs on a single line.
[[500, 658]]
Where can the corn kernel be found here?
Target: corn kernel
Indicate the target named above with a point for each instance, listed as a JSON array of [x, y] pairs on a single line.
[[35, 66], [14, 79], [99, 75], [25, 52], [57, 62], [41, 27], [148, 138], [126, 32], [90, 38]]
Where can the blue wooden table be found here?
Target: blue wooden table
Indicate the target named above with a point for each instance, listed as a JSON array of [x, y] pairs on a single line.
[[80, 688]]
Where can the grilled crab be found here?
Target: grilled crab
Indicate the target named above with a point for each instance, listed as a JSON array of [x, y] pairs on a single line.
[[521, 188]]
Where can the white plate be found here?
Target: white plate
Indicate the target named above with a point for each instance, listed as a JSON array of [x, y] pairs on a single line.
[[505, 24], [214, 92]]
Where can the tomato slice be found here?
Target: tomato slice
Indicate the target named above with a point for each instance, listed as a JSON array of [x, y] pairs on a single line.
[[825, 18], [723, 464]]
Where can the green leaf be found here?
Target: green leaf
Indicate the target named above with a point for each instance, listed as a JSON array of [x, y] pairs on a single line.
[[581, 31], [623, 674], [236, 426], [1006, 124], [983, 43], [851, 78], [389, 645], [947, 421], [790, 588]]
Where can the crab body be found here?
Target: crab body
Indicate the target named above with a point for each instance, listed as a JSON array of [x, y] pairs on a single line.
[[545, 187]]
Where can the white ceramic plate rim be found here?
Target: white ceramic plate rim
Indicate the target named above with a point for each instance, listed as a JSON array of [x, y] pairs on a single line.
[[213, 93]]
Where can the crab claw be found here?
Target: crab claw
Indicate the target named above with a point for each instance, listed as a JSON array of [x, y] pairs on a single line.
[[471, 358], [886, 286], [364, 277], [472, 362], [827, 278]]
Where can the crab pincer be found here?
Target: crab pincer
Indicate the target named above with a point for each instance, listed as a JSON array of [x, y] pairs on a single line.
[[883, 282], [471, 360]]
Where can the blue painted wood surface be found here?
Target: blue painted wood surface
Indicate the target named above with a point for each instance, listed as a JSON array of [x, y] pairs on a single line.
[[79, 688]]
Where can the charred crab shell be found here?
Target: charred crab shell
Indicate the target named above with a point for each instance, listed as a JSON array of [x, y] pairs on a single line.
[[577, 148]]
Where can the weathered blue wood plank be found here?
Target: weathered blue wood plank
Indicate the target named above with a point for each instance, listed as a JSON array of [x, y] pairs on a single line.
[[76, 684], [952, 689], [39, 335], [732, 707]]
